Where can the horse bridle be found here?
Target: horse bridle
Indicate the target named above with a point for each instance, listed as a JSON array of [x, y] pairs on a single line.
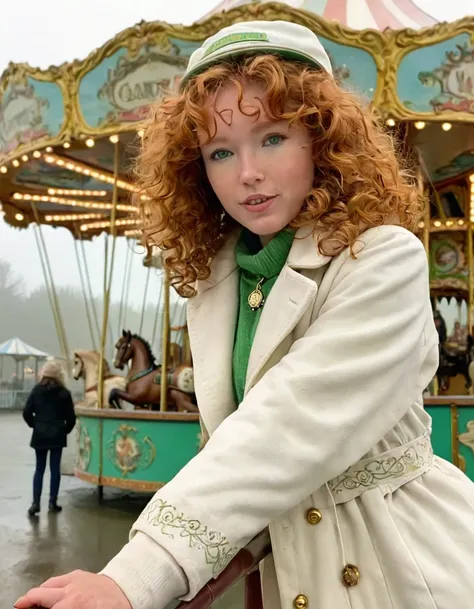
[[123, 351], [81, 369]]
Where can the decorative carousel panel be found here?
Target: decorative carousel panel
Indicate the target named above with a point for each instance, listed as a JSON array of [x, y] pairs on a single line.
[[466, 439], [354, 68], [438, 79], [448, 264], [102, 155], [459, 165], [146, 452], [441, 437], [30, 111], [88, 446], [121, 88], [39, 173]]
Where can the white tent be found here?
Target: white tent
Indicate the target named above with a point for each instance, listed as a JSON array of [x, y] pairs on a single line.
[[357, 14], [20, 350]]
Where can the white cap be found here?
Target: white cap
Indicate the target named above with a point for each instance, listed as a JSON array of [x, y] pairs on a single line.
[[289, 40]]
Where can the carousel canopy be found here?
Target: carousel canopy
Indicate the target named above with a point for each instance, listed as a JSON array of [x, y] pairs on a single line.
[[357, 14], [18, 348], [69, 134]]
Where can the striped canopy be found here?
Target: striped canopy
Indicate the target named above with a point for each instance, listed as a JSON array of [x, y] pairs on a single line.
[[357, 14], [20, 350]]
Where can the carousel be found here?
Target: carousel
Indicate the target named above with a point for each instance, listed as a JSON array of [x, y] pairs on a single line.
[[67, 138]]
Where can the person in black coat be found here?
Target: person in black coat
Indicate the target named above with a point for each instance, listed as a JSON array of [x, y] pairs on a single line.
[[49, 410]]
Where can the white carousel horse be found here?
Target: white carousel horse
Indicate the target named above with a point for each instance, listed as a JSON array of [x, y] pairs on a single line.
[[86, 366]]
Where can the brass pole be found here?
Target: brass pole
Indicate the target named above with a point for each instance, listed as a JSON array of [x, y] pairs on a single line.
[[188, 361], [122, 297], [48, 291], [454, 434], [89, 287], [54, 295], [165, 340], [127, 293], [157, 312], [108, 283], [84, 293], [470, 279], [426, 216], [142, 316]]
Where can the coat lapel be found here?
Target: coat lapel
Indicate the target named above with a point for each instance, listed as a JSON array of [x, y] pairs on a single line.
[[211, 318], [291, 296]]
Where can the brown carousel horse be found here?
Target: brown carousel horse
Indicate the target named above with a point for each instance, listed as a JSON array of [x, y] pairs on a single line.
[[144, 377], [453, 363]]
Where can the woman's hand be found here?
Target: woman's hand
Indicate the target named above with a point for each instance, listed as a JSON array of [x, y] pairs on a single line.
[[76, 590]]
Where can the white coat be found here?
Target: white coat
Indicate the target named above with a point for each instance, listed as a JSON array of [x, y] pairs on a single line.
[[330, 446]]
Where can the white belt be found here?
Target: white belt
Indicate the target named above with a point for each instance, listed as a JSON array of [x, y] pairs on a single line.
[[389, 470]]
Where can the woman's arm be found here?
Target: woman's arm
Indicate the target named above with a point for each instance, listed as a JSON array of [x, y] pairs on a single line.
[[70, 415], [337, 393], [29, 410]]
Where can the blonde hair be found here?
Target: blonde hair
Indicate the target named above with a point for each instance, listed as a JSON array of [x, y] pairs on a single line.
[[52, 370]]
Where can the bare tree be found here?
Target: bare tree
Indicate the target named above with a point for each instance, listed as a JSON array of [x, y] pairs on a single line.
[[10, 284]]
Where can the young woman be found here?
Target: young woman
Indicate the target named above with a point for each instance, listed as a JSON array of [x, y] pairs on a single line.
[[49, 410], [285, 217]]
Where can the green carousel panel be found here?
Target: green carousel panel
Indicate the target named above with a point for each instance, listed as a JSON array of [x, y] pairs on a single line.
[[438, 78], [466, 439], [453, 430], [30, 110], [88, 453], [441, 437], [137, 450]]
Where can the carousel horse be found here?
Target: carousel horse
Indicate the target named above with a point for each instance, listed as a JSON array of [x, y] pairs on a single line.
[[86, 366], [144, 377], [453, 363]]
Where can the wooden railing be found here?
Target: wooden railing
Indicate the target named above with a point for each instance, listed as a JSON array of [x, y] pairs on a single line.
[[244, 564]]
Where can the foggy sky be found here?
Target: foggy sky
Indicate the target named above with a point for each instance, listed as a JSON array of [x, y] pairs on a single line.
[[53, 31]]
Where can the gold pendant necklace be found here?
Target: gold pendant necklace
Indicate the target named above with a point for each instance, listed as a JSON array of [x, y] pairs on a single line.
[[256, 298]]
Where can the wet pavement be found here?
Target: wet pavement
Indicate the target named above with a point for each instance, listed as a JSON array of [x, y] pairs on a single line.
[[85, 535]]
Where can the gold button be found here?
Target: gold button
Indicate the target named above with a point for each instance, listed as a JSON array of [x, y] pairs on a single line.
[[300, 602], [350, 575], [313, 516]]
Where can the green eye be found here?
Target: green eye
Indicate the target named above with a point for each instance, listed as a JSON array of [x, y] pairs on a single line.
[[274, 140], [219, 155]]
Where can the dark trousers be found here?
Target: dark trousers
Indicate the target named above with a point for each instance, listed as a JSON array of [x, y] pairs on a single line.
[[55, 467]]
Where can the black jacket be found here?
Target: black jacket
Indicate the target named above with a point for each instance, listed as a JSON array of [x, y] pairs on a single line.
[[49, 410]]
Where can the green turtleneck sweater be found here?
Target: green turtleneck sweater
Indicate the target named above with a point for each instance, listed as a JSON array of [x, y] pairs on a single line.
[[255, 263]]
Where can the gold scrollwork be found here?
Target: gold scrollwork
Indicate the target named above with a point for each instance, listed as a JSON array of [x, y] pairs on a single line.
[[127, 452], [18, 74], [400, 43], [84, 448], [467, 438], [386, 48]]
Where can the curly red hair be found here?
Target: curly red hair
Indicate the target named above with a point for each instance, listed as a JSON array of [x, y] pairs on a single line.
[[358, 180]]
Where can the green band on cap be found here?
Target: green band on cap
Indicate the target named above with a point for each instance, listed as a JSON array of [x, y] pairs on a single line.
[[233, 38]]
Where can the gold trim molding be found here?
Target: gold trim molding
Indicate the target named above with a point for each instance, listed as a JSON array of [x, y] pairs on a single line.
[[399, 43], [131, 485], [386, 48]]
